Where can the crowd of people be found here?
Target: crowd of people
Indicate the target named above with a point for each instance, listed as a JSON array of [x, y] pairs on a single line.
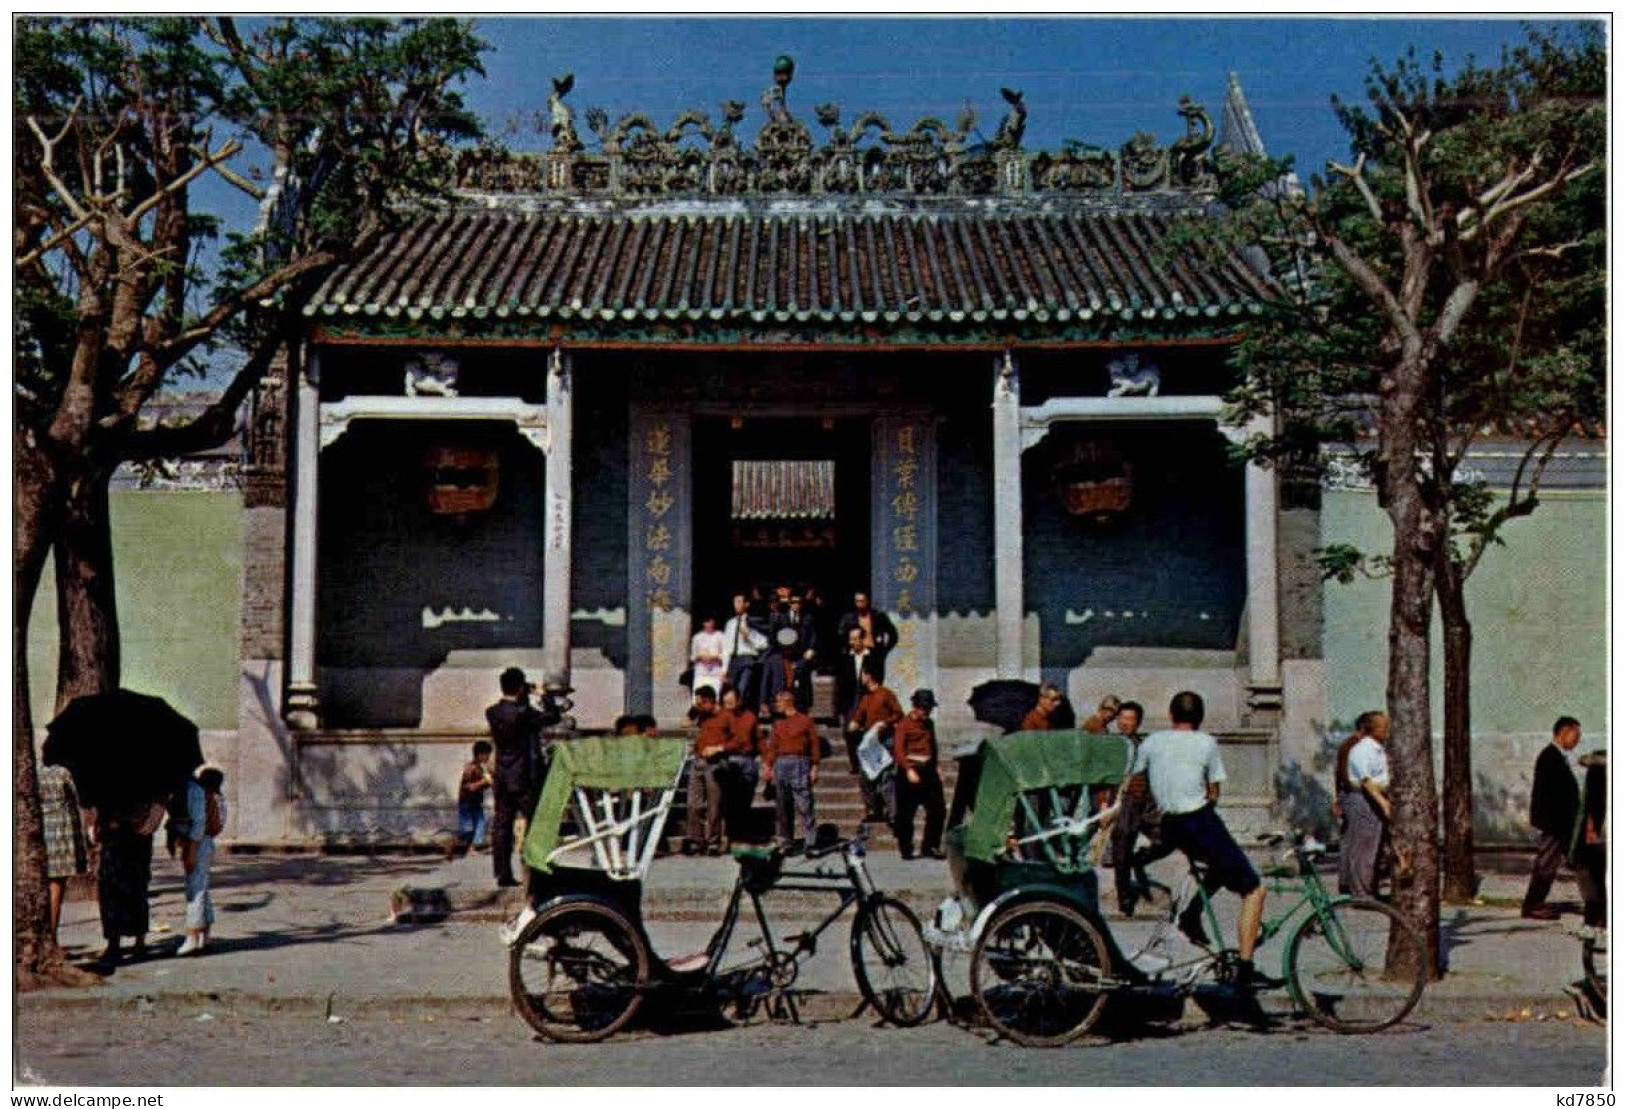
[[752, 685], [120, 842]]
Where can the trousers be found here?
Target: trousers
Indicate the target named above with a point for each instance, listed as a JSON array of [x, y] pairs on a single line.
[[1362, 841], [512, 800], [199, 905], [910, 797], [1548, 858], [792, 782]]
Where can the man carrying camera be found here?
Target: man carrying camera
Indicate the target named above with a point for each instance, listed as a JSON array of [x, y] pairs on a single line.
[[516, 730]]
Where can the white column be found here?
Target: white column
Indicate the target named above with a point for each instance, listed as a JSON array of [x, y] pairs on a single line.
[[302, 709], [1263, 596], [1009, 595], [556, 559]]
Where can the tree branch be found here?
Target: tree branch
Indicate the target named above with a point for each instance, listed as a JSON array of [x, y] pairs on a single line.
[[48, 162], [213, 426], [210, 161], [1356, 175]]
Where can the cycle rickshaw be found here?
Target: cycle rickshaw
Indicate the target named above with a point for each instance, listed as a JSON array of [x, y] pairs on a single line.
[[584, 966], [1024, 836]]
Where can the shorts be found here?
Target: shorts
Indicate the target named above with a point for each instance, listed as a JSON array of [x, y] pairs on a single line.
[[1202, 836]]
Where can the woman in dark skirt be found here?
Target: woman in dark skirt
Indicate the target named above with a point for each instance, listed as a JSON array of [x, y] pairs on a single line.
[[123, 878]]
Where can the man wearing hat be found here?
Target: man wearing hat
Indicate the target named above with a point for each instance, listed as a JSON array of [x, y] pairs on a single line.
[[914, 745]]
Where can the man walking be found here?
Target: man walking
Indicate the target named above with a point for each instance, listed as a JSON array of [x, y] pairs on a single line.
[[1554, 803], [919, 781], [792, 765], [1366, 811], [742, 651], [1185, 774], [877, 710], [516, 729], [878, 632]]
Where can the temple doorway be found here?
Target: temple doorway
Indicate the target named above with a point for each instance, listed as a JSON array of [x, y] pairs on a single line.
[[781, 502]]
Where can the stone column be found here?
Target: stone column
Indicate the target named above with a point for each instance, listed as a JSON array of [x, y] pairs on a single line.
[[556, 559], [1263, 578], [303, 705], [1008, 592]]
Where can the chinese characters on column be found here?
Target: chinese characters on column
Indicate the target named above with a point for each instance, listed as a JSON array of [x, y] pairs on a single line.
[[657, 539], [905, 506]]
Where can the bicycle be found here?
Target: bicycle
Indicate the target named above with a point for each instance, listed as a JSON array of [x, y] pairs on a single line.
[[583, 966], [1594, 961], [1354, 965]]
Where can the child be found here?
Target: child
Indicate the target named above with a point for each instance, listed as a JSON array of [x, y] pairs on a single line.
[[792, 767], [205, 818], [66, 853], [471, 790]]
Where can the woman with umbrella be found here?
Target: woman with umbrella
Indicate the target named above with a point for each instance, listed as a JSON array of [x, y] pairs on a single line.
[[128, 753]]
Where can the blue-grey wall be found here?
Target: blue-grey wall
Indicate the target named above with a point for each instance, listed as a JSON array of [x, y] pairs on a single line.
[[384, 557], [1171, 572]]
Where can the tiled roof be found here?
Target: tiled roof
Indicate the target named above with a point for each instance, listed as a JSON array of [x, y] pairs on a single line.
[[879, 265]]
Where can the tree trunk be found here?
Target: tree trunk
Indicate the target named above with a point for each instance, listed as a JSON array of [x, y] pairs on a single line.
[[36, 957], [87, 610], [1460, 881], [1410, 744]]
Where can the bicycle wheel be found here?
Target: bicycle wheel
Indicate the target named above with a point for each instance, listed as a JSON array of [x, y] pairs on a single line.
[[1037, 973], [1360, 968], [577, 971], [1594, 957], [895, 970]]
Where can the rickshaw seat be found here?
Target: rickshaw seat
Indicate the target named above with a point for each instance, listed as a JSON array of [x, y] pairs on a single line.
[[754, 854]]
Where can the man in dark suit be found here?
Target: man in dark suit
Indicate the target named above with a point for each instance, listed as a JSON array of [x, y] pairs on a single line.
[[1554, 803], [516, 729], [879, 633], [792, 651]]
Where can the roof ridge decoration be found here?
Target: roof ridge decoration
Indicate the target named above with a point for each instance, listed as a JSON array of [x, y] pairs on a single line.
[[698, 157]]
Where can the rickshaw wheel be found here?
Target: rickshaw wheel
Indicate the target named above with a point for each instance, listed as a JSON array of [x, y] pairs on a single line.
[[895, 970], [1036, 972], [577, 972]]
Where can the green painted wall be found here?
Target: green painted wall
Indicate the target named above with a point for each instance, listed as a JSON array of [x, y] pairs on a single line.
[[1539, 607], [178, 560]]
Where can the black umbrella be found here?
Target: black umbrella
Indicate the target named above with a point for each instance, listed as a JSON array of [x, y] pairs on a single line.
[[1005, 701], [123, 748]]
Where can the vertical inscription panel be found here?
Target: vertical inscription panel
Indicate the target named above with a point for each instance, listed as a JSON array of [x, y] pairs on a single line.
[[659, 573], [905, 544]]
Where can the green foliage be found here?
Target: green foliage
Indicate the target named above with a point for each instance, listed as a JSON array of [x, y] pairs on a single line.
[[1443, 204], [114, 121]]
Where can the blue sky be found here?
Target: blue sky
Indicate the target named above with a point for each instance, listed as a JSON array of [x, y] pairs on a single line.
[[1098, 80]]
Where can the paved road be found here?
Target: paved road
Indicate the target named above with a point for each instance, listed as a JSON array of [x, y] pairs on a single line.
[[483, 1044]]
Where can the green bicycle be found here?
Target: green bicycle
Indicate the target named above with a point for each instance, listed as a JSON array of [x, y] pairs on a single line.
[[1353, 965]]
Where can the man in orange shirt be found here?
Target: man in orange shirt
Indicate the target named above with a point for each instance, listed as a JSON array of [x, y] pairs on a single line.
[[919, 781], [740, 753], [792, 765], [877, 705], [706, 775]]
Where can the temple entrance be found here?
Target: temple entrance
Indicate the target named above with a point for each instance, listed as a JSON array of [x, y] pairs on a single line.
[[780, 501]]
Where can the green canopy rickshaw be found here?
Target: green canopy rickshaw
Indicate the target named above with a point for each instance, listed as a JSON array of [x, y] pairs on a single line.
[[1025, 830]]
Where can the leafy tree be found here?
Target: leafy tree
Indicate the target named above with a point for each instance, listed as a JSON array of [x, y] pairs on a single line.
[[1445, 284], [115, 123]]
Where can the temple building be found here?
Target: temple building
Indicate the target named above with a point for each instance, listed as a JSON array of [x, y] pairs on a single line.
[[560, 418]]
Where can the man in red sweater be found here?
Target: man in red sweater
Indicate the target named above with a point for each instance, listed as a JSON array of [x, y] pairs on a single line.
[[919, 782], [792, 765]]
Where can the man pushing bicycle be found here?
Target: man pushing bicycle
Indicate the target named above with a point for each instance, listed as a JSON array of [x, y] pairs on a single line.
[[1185, 772]]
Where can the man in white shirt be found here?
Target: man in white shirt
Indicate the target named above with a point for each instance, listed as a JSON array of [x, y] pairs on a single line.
[[742, 649], [1185, 773], [1365, 809]]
